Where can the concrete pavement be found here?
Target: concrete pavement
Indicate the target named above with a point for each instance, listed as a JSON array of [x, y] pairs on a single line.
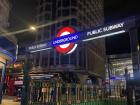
[[8, 100]]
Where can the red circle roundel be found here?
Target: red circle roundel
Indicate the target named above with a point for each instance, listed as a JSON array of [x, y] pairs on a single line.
[[69, 47]]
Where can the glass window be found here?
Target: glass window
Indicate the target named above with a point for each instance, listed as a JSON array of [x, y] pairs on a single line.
[[73, 22], [73, 11], [57, 58], [59, 4], [48, 7], [37, 59], [40, 18], [59, 13], [80, 6], [52, 57], [41, 9], [41, 1], [64, 59], [66, 23], [66, 3], [66, 12], [58, 25], [47, 34], [73, 58], [45, 59], [74, 3], [39, 36], [47, 16]]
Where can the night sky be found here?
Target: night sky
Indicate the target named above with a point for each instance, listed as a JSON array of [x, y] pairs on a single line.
[[22, 15], [24, 11], [116, 10]]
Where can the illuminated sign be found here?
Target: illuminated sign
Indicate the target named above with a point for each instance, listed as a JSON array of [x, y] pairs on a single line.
[[39, 47], [105, 31], [18, 82], [18, 65], [66, 35], [66, 38]]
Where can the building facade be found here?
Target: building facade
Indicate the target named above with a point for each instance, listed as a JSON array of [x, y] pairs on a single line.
[[8, 44], [4, 10], [83, 14]]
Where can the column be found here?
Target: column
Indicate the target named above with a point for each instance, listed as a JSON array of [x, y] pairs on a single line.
[[2, 81]]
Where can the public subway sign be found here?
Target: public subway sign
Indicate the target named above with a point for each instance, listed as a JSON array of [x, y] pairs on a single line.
[[108, 30], [67, 38], [105, 31]]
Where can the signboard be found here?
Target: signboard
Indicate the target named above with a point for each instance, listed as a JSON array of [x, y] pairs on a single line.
[[105, 31], [65, 40], [18, 83], [108, 30], [38, 47], [67, 37]]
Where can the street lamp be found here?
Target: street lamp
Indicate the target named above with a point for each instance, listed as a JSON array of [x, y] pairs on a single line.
[[32, 28]]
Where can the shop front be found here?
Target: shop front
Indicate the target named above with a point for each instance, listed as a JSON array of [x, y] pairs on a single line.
[[8, 52]]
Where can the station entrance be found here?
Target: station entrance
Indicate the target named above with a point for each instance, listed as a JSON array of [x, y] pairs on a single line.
[[75, 93]]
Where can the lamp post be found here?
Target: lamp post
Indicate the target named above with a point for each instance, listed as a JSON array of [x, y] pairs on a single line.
[[26, 80]]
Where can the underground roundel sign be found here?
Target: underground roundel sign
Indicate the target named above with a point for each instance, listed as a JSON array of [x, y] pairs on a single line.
[[69, 47]]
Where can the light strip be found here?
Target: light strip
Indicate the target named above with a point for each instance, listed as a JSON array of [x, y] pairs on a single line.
[[13, 59], [105, 35], [40, 50], [16, 51]]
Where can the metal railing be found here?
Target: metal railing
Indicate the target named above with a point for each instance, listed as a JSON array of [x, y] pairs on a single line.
[[42, 93]]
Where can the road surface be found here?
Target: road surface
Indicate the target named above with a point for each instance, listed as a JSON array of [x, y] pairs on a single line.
[[8, 100]]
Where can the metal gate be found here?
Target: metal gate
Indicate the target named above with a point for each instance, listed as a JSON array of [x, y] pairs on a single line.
[[43, 93]]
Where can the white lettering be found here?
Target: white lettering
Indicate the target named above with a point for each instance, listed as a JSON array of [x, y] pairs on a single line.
[[37, 46], [105, 29], [65, 40]]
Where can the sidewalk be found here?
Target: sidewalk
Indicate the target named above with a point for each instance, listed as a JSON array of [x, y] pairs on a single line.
[[8, 100]]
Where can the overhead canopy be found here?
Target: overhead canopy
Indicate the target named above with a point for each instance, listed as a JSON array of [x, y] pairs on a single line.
[[8, 49]]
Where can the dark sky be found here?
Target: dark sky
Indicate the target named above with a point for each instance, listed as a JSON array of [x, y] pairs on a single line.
[[119, 9], [22, 15], [116, 10], [24, 11]]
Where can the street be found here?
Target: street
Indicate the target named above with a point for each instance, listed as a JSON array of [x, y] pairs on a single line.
[[8, 100]]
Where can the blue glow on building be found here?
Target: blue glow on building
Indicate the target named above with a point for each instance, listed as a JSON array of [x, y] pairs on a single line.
[[8, 48]]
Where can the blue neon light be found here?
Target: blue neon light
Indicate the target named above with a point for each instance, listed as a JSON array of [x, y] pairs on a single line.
[[66, 39], [13, 59], [89, 34], [8, 45], [8, 48]]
